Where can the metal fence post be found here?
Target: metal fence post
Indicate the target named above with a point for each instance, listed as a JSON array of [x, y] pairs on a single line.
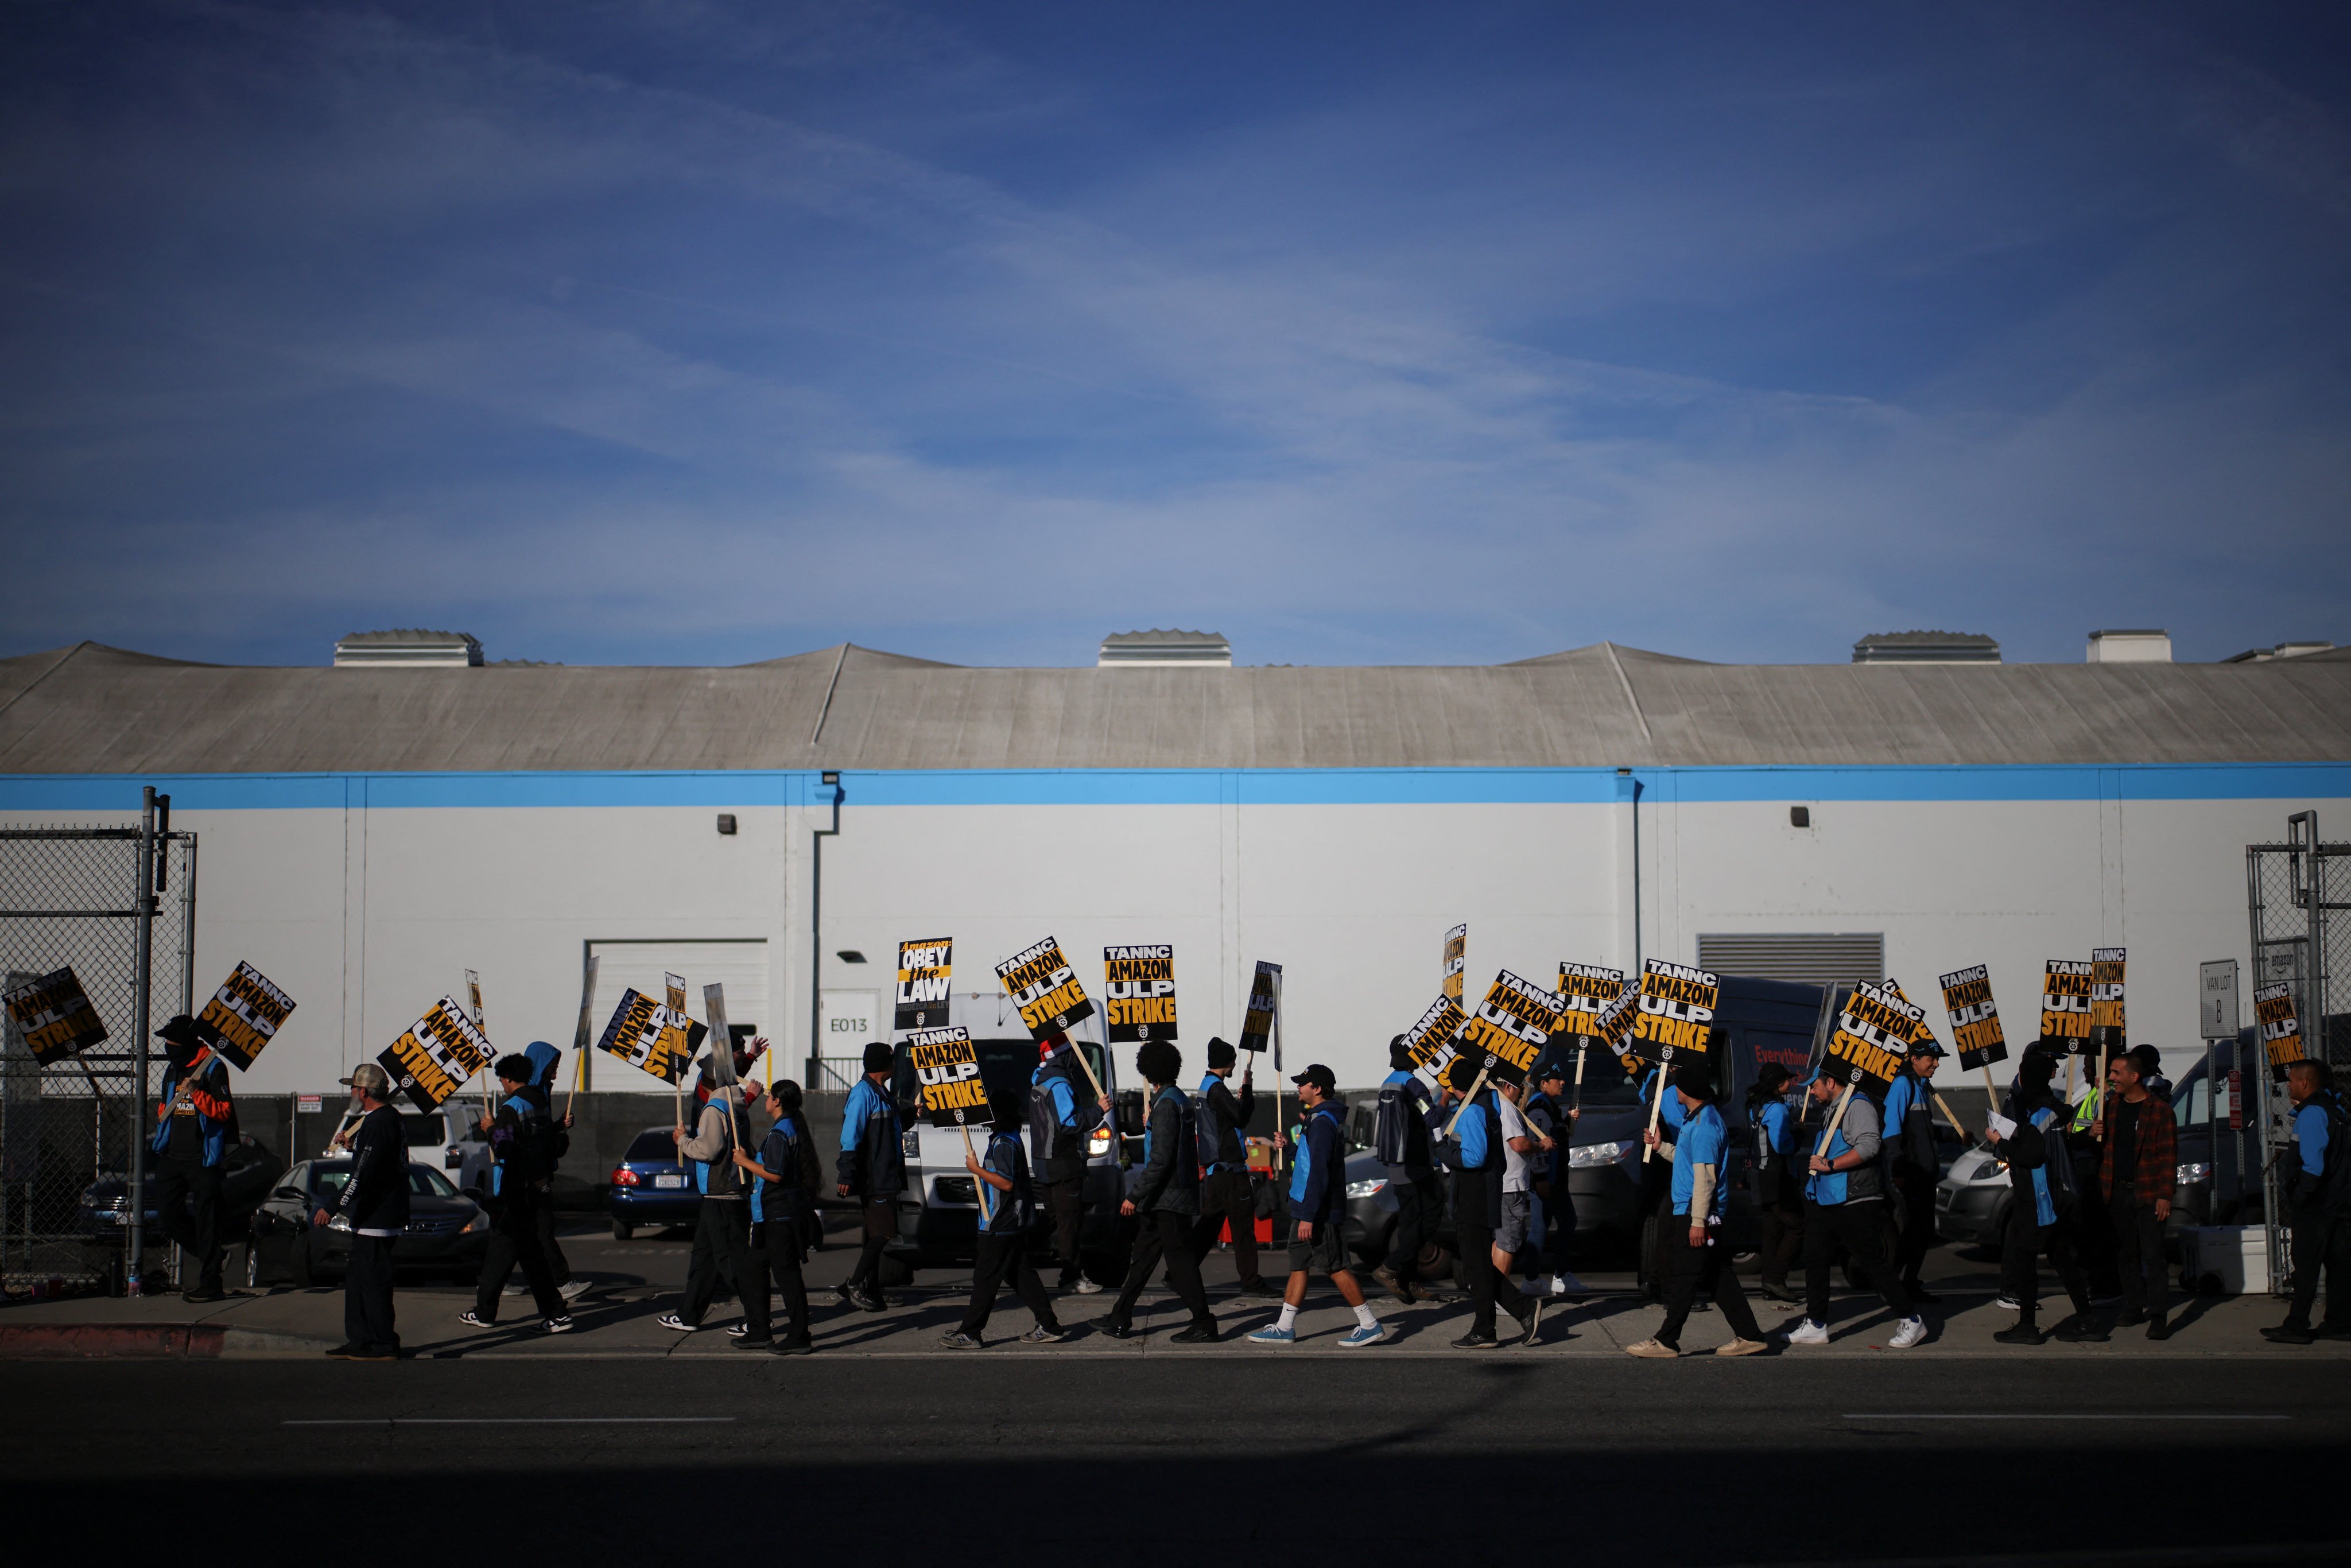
[[134, 1218]]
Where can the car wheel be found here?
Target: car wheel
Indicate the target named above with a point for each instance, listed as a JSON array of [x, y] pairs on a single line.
[[299, 1263], [894, 1272], [1434, 1263], [622, 1231]]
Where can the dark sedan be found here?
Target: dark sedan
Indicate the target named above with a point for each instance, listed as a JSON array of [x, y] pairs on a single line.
[[653, 1185], [447, 1231]]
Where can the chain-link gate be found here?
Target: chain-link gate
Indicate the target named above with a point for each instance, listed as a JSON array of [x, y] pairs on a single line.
[[73, 895], [2299, 897]]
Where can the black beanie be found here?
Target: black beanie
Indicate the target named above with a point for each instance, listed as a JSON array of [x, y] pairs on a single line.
[[1399, 1058], [1693, 1079], [877, 1057], [1221, 1053]]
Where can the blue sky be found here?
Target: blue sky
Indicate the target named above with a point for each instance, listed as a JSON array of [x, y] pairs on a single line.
[[698, 332]]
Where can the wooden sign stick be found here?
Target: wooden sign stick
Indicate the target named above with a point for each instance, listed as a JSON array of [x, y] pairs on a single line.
[[1656, 1110], [1835, 1120], [1582, 1050], [1476, 1084], [1957, 1126], [1990, 1092], [979, 1188], [583, 1035]]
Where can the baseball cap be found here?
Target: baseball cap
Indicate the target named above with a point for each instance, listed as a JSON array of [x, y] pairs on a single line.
[[1320, 1076], [367, 1075], [1551, 1070], [181, 1031], [1928, 1047]]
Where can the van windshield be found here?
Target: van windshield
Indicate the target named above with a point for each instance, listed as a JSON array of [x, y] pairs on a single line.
[[1606, 1082]]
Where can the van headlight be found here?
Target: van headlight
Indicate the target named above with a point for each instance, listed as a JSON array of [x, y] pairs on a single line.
[[1366, 1188], [2194, 1172], [1590, 1157], [1098, 1142]]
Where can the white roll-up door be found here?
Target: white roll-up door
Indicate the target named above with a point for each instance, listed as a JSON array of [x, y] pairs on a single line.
[[740, 966]]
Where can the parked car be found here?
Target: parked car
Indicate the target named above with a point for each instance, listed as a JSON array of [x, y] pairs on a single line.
[[249, 1171], [653, 1185], [446, 1235]]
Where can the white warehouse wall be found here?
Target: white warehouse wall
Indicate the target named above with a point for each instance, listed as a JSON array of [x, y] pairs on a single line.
[[367, 914]]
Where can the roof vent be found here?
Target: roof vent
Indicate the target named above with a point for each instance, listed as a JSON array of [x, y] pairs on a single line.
[[1926, 648], [2130, 648], [407, 649], [2283, 651], [1196, 650]]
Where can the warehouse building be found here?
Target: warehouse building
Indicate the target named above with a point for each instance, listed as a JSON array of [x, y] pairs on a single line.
[[370, 829]]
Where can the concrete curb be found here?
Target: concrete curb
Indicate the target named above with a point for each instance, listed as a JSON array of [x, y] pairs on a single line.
[[187, 1341]]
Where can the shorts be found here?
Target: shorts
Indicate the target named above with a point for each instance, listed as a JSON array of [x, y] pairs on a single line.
[[881, 1218], [1327, 1251], [1510, 1235]]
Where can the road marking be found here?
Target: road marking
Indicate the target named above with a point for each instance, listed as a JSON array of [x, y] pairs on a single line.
[[2043, 1415], [512, 1421]]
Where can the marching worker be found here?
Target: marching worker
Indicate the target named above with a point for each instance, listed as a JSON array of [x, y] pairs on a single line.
[[1167, 1196], [2042, 1216], [1843, 1199], [2317, 1185], [1476, 1153], [1058, 1134], [722, 1224], [2141, 1167], [1657, 1180], [1779, 1188], [1003, 1175], [784, 1178], [374, 1204], [1226, 1199], [1318, 1216], [1520, 1149], [1909, 1148], [544, 1059], [872, 1168], [1553, 1230], [1696, 1256], [196, 1121], [1400, 1137], [519, 1130]]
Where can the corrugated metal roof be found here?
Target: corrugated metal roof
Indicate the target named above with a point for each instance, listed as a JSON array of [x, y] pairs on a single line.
[[96, 709]]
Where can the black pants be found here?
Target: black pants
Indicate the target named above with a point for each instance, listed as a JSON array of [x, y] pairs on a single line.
[[1489, 1286], [775, 1251], [558, 1265], [722, 1242], [1656, 1184], [1917, 1197], [1552, 1236], [2138, 1257], [1862, 1227], [2019, 1261], [1782, 1219], [514, 1239], [367, 1295], [1688, 1269], [179, 1182], [1004, 1255], [2322, 1241], [2096, 1235], [1169, 1237], [1228, 1199], [1063, 1191], [1420, 1208], [879, 1217]]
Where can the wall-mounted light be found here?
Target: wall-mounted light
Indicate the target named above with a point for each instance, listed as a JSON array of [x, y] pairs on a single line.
[[1799, 816], [849, 956], [726, 824], [831, 777]]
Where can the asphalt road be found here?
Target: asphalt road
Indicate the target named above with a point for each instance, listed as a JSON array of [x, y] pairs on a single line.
[[1217, 1461]]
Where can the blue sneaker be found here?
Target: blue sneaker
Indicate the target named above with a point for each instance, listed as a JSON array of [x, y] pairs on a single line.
[[1274, 1333], [1363, 1336]]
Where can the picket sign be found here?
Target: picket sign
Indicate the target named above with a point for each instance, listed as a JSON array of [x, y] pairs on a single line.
[[474, 1007], [722, 1060], [583, 1036]]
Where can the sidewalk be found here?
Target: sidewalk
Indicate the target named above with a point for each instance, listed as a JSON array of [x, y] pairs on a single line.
[[618, 1320]]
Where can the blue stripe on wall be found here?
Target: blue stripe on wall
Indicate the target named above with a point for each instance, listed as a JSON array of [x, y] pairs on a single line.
[[81, 794]]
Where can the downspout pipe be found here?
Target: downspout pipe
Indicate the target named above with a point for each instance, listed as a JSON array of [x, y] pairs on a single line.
[[816, 932]]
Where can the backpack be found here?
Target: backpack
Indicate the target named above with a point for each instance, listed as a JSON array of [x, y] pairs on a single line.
[[1399, 1118], [1053, 1141], [2057, 1160]]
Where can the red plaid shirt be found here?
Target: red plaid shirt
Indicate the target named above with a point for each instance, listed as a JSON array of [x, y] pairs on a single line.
[[2158, 1149]]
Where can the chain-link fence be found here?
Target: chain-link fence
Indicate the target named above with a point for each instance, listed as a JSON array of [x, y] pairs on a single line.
[[70, 897], [2298, 896]]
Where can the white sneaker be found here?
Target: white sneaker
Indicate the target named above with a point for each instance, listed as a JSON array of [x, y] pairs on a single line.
[[572, 1289], [1360, 1336], [2007, 1305], [1912, 1331], [1807, 1332], [673, 1321], [1086, 1287], [1566, 1284]]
